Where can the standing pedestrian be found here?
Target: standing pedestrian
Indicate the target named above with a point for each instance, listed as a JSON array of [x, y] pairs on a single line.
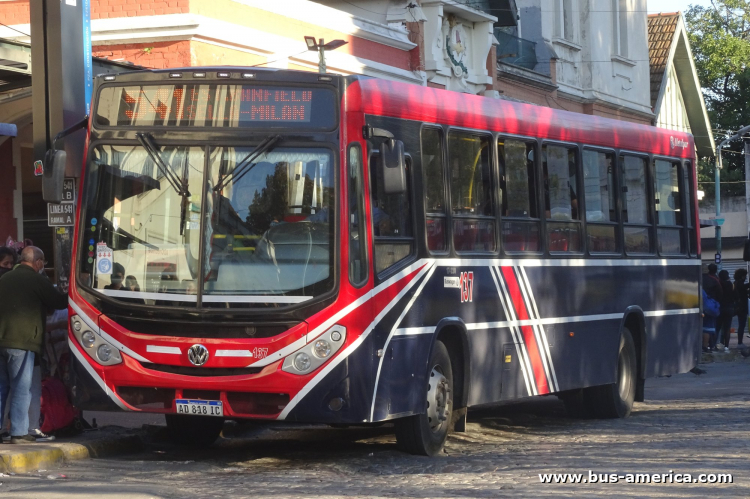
[[712, 287], [8, 258], [25, 297], [724, 326], [740, 302]]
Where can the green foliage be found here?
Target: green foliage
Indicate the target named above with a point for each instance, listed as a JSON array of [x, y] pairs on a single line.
[[720, 40]]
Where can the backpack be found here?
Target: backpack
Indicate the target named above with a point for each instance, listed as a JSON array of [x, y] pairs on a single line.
[[711, 307], [56, 412]]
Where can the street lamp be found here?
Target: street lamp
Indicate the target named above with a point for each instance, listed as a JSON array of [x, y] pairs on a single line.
[[320, 48]]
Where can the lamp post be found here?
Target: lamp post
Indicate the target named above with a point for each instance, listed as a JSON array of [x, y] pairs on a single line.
[[320, 47]]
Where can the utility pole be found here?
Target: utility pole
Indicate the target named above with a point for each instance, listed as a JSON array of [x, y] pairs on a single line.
[[321, 57]]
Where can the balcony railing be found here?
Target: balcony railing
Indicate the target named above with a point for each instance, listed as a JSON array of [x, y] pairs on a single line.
[[516, 51]]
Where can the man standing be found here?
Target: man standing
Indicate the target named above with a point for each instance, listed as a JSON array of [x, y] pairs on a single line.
[[25, 298]]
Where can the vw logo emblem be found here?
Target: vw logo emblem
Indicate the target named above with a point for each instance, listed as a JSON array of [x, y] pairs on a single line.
[[198, 355]]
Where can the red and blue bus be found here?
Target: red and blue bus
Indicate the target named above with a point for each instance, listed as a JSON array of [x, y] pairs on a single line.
[[280, 245]]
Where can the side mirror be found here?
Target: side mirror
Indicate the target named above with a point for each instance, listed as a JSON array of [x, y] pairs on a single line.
[[746, 252], [393, 166], [54, 176]]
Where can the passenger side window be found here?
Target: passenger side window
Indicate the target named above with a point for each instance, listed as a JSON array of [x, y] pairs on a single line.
[[560, 168], [471, 192], [391, 219], [521, 228], [434, 188], [668, 206], [635, 206], [601, 205]]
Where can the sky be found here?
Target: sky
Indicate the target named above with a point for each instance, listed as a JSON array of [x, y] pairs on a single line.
[[655, 6]]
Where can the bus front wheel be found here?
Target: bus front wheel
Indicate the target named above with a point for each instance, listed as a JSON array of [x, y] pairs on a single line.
[[616, 400], [425, 434], [193, 431]]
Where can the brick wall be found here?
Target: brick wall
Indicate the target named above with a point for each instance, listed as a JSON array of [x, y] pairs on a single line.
[[156, 55], [8, 225], [17, 12], [105, 9]]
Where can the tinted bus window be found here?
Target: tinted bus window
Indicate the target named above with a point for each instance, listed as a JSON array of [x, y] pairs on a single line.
[[471, 192], [434, 188], [635, 212], [391, 220], [667, 201], [561, 198], [601, 207], [518, 197]]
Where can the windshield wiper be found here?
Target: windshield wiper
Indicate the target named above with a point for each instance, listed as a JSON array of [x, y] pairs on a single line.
[[179, 184], [246, 164]]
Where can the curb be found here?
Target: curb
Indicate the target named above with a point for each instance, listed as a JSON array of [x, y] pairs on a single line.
[[731, 356], [25, 458]]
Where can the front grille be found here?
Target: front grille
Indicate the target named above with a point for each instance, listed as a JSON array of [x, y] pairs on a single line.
[[257, 403], [147, 397], [203, 371]]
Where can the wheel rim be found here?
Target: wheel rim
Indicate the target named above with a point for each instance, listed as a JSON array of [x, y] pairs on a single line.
[[438, 399], [624, 375]]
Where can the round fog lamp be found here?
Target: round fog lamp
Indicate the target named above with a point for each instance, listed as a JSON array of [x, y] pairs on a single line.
[[77, 326], [322, 349], [104, 352], [88, 339], [302, 362]]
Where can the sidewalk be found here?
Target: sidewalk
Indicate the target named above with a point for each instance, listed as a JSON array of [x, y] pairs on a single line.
[[734, 351], [107, 441]]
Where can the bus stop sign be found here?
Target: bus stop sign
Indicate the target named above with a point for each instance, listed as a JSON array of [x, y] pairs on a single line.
[[717, 258]]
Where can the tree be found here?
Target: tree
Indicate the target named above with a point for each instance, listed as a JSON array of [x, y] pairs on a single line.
[[720, 39]]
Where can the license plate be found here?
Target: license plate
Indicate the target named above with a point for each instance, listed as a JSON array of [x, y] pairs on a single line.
[[200, 407]]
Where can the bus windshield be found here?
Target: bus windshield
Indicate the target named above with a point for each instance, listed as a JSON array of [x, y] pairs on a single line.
[[246, 233]]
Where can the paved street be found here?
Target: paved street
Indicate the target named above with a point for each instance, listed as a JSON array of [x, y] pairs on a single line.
[[690, 424]]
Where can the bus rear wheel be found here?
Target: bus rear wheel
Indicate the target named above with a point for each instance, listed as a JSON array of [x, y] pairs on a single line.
[[193, 431], [616, 400], [425, 434]]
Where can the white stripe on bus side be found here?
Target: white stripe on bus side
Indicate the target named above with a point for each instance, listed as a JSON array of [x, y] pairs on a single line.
[[539, 328], [396, 323], [351, 348], [517, 338]]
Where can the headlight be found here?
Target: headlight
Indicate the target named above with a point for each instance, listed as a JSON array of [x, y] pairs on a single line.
[[315, 354], [302, 362], [104, 352], [88, 339], [322, 349], [100, 349]]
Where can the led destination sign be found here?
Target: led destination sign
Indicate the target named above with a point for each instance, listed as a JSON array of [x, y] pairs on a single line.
[[216, 105]]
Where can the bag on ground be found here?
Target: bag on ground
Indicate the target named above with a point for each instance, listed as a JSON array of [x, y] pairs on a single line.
[[56, 412]]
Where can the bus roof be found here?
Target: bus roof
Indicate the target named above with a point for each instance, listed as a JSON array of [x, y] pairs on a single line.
[[431, 105]]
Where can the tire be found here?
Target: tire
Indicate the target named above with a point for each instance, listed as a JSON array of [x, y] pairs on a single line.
[[425, 434], [616, 400], [193, 431]]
